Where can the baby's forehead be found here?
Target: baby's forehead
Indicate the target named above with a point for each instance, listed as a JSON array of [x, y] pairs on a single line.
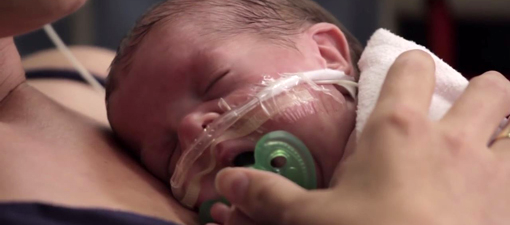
[[196, 37], [198, 21], [177, 49], [181, 33]]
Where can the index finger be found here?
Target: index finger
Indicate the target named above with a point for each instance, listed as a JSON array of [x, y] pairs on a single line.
[[410, 82]]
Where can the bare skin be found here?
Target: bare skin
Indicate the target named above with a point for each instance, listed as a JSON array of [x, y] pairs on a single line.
[[52, 154], [74, 95]]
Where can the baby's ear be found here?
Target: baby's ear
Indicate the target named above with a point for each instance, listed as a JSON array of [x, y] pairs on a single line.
[[332, 45]]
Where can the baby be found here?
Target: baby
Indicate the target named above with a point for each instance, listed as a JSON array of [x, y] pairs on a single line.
[[185, 56]]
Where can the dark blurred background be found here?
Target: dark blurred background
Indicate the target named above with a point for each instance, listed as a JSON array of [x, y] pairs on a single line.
[[472, 35]]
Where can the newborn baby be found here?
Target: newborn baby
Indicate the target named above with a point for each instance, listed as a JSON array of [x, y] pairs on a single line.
[[185, 56]]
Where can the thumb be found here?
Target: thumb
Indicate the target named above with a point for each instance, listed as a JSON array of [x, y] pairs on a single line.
[[266, 198]]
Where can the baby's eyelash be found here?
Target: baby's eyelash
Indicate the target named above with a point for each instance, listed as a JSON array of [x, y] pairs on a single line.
[[215, 81]]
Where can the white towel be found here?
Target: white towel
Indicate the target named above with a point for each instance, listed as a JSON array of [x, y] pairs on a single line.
[[382, 50]]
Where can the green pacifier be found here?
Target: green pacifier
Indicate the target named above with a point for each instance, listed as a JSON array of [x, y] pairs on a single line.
[[278, 152]]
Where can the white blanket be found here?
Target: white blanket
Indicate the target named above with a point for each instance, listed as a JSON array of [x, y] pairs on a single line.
[[382, 50]]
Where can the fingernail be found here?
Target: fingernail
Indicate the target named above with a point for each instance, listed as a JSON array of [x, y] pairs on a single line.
[[232, 184]]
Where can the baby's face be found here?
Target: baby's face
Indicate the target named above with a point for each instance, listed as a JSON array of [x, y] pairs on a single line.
[[178, 77]]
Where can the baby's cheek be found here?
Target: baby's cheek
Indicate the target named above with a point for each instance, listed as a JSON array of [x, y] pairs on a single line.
[[173, 162], [157, 162]]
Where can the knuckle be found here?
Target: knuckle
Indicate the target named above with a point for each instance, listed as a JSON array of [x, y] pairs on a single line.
[[404, 117], [456, 140]]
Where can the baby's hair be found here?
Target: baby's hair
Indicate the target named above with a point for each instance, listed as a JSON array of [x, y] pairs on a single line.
[[274, 20]]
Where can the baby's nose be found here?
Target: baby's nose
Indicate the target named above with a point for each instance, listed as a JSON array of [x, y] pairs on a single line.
[[192, 125]]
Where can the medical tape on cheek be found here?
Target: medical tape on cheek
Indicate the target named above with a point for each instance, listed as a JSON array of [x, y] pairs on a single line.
[[247, 124]]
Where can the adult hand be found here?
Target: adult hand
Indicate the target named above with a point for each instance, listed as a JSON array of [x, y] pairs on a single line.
[[20, 16], [406, 169]]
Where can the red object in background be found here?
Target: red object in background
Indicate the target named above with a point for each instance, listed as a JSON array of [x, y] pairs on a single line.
[[441, 30]]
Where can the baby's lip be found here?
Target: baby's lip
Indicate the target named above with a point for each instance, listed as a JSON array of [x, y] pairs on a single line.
[[227, 151]]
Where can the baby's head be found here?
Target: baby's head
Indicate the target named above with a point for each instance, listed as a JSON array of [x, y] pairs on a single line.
[[183, 56]]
